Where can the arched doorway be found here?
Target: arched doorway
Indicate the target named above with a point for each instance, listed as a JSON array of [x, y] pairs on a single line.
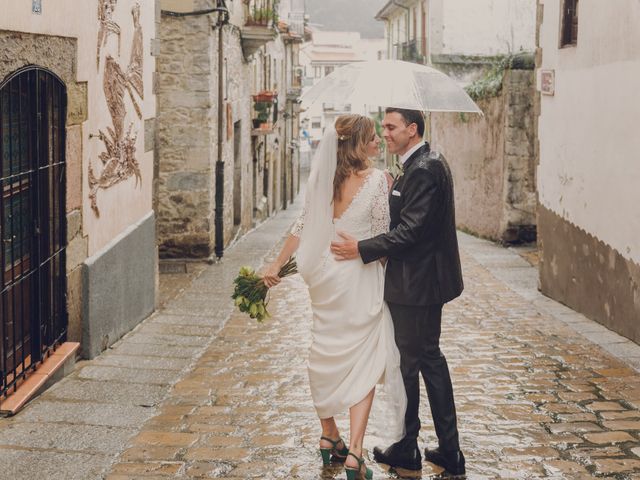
[[33, 319]]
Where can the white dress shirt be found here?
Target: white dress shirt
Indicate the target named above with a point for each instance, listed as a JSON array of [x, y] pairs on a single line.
[[410, 152]]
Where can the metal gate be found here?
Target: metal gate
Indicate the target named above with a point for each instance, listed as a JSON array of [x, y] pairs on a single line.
[[33, 319]]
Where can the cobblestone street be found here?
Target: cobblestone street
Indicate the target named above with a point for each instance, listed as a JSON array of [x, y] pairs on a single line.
[[536, 400], [536, 397]]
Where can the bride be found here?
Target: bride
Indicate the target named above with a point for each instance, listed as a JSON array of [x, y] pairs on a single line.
[[353, 346]]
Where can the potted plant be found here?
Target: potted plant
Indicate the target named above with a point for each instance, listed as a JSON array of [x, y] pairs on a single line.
[[263, 111]]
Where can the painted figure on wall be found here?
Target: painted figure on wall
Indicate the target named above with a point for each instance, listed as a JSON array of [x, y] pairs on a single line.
[[119, 159], [107, 25], [137, 55]]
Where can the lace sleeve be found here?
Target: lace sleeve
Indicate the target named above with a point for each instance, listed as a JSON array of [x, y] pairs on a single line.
[[380, 208], [296, 230]]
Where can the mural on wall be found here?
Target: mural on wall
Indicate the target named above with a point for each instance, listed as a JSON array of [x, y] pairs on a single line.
[[107, 25], [119, 158], [137, 54]]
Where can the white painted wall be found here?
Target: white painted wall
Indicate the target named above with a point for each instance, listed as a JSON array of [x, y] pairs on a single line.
[[125, 203], [481, 27], [589, 172]]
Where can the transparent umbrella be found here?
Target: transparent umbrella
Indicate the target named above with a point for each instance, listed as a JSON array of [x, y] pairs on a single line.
[[391, 83]]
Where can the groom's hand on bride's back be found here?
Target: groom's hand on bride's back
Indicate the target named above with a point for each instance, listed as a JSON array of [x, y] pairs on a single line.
[[347, 249]]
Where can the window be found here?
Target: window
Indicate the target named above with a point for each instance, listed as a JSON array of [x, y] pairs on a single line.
[[33, 317], [569, 35], [316, 122], [274, 75], [328, 70]]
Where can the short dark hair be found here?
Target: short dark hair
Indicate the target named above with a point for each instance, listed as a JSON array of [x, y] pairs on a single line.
[[409, 117]]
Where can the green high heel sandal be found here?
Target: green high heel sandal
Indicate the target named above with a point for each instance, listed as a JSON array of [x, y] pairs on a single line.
[[334, 453], [356, 473]]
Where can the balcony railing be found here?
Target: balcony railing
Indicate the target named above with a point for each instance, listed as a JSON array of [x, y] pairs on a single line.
[[336, 107], [262, 12], [410, 51], [258, 30]]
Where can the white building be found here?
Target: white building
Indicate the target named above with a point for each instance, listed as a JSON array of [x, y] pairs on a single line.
[[588, 176], [326, 52], [452, 34]]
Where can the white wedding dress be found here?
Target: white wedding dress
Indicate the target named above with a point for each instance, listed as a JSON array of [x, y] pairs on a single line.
[[353, 346]]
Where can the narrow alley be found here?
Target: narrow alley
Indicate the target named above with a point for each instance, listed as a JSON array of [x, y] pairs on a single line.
[[201, 391]]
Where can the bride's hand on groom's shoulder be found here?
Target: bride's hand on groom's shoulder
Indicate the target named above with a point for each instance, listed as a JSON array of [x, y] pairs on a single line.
[[270, 275]]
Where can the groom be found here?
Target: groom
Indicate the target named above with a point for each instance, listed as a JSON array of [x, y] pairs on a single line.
[[423, 273]]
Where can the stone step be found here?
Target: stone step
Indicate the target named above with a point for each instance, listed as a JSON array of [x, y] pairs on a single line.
[[60, 363]]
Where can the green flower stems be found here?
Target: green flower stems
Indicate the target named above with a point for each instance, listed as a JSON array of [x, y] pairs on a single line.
[[250, 292]]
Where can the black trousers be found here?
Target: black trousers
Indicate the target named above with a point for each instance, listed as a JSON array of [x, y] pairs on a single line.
[[417, 333]]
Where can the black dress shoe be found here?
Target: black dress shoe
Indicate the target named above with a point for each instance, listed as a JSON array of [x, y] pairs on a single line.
[[452, 462], [400, 455]]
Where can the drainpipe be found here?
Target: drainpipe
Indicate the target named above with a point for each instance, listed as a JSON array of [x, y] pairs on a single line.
[[284, 166], [223, 19], [285, 117]]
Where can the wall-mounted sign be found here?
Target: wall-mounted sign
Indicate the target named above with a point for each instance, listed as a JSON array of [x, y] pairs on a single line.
[[548, 82], [36, 6]]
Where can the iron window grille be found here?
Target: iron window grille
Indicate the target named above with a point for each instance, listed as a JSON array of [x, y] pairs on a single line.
[[33, 318]]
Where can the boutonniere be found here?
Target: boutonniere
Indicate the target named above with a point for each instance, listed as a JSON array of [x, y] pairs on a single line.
[[396, 170]]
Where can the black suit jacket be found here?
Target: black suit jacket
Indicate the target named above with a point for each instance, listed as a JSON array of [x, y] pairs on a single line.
[[422, 246]]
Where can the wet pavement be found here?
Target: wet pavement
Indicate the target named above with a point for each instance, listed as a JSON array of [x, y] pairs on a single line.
[[535, 398], [200, 391]]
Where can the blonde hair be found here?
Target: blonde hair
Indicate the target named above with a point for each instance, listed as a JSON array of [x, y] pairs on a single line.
[[354, 133]]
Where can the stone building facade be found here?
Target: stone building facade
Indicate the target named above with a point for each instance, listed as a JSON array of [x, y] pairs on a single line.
[[588, 223], [493, 158], [103, 273], [221, 168], [275, 150]]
